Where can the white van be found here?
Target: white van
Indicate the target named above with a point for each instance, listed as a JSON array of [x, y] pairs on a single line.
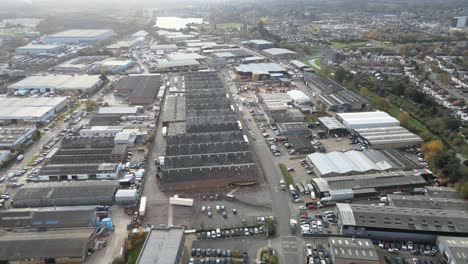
[[20, 157], [282, 185]]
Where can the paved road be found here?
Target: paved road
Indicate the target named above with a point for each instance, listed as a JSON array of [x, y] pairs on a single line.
[[285, 244]]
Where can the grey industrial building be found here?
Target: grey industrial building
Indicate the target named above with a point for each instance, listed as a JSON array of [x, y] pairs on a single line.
[[139, 89], [294, 128], [259, 44], [358, 162], [454, 250], [345, 250], [83, 171], [332, 126], [370, 185], [12, 137], [398, 223], [442, 192], [75, 36], [65, 194], [425, 201], [40, 49], [204, 147], [279, 53], [387, 137], [53, 246], [44, 218], [336, 97], [299, 65], [163, 246], [263, 70], [300, 143], [29, 110]]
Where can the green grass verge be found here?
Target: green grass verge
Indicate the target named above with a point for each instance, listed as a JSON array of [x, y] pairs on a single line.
[[134, 253], [230, 25], [339, 45], [287, 177]]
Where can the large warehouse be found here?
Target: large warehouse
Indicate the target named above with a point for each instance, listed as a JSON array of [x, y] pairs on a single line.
[[40, 49], [53, 246], [12, 137], [387, 137], [18, 110], [259, 44], [76, 36], [367, 120], [370, 185], [58, 83], [264, 70], [453, 249], [204, 147], [429, 202], [299, 97], [397, 223], [169, 242], [65, 194], [357, 162], [345, 250], [139, 89]]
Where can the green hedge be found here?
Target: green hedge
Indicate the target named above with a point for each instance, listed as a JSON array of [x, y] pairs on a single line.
[[287, 177]]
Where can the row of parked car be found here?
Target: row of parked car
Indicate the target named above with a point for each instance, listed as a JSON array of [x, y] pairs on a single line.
[[317, 254], [415, 248], [316, 223], [235, 232]]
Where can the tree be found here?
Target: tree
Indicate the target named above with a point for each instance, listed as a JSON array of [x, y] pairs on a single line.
[[383, 104], [448, 164], [270, 227], [103, 77], [255, 77], [404, 118], [325, 71], [118, 260], [363, 91], [89, 105], [431, 149], [340, 74], [452, 123], [463, 188]]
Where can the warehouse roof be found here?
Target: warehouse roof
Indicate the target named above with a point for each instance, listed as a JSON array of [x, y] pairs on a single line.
[[9, 135], [40, 46], [184, 56], [45, 245], [200, 44], [293, 126], [162, 246], [116, 110], [18, 108], [352, 248], [278, 51], [424, 201], [458, 247], [367, 119], [365, 181], [61, 169], [398, 218], [174, 109], [274, 97], [49, 217], [164, 47], [299, 64], [57, 190], [299, 142], [331, 123], [260, 68], [80, 82], [140, 85], [388, 135], [260, 41], [124, 44], [176, 63], [442, 192], [85, 33]]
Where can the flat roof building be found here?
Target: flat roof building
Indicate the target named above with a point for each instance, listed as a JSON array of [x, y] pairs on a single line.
[[299, 65], [264, 70], [388, 222], [59, 83], [425, 201], [163, 246], [345, 250], [76, 36], [259, 44], [300, 143], [125, 45], [119, 110], [65, 194], [442, 192], [332, 126], [40, 49], [59, 246], [279, 53], [454, 250], [140, 89], [13, 137], [184, 56], [375, 119], [299, 97], [29, 110], [81, 171], [295, 128]]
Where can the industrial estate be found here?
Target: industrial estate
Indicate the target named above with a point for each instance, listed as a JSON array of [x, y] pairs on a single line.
[[307, 133]]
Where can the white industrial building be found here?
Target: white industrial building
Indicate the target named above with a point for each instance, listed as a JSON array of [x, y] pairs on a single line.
[[88, 36], [299, 97], [18, 110], [40, 49], [102, 171], [64, 83], [119, 110], [101, 131], [356, 120]]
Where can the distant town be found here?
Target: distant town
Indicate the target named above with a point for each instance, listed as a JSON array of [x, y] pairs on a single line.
[[220, 132]]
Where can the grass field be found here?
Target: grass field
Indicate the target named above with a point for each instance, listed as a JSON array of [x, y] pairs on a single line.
[[339, 45], [287, 177], [230, 25], [134, 253]]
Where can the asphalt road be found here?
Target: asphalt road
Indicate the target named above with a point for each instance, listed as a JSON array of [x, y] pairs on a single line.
[[285, 244]]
